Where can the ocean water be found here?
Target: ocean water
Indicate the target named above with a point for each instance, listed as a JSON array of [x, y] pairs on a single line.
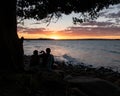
[[98, 53]]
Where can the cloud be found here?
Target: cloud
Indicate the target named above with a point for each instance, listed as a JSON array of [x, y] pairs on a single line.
[[112, 14], [32, 30], [95, 29], [96, 24], [108, 24]]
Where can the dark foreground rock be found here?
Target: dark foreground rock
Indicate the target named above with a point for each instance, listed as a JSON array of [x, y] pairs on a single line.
[[87, 86], [65, 80], [52, 84]]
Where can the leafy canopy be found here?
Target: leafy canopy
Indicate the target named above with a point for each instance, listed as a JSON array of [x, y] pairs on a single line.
[[47, 9]]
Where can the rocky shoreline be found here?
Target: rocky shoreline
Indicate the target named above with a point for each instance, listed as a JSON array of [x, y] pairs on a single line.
[[83, 70], [65, 80]]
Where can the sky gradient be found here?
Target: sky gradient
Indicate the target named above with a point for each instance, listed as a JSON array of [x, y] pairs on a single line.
[[106, 26]]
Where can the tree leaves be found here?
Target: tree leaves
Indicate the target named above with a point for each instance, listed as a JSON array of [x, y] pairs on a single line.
[[41, 9]]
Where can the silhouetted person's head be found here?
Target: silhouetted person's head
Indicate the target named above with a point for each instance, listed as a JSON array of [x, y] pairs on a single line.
[[48, 50], [35, 52], [22, 38]]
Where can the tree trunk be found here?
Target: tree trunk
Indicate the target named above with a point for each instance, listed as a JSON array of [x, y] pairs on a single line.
[[10, 47]]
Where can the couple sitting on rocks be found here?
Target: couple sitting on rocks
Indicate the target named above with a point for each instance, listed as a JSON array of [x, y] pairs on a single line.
[[44, 60]]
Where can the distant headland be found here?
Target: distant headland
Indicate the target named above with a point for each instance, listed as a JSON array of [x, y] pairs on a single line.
[[66, 39]]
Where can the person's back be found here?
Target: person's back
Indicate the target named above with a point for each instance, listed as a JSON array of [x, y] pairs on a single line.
[[34, 60], [49, 59], [42, 59]]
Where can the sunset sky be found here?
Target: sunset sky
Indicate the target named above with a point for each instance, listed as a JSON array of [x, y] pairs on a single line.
[[107, 26]]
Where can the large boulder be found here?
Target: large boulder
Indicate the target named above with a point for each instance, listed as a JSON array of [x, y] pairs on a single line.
[[88, 86]]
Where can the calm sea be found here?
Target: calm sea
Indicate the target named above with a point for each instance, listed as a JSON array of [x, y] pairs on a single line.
[[90, 52]]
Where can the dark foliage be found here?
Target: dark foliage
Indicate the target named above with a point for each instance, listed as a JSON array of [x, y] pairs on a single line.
[[40, 9]]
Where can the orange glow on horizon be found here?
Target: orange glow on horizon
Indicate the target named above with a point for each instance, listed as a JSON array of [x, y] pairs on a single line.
[[60, 35], [55, 37], [36, 36]]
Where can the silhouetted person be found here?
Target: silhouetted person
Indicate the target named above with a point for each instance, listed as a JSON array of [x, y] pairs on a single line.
[[21, 44], [42, 59], [49, 59], [34, 60], [20, 54], [21, 40]]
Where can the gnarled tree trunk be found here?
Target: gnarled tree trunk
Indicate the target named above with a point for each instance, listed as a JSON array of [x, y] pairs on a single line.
[[10, 48]]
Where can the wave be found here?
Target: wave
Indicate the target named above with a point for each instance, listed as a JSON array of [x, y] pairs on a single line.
[[70, 60], [116, 52], [111, 51]]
